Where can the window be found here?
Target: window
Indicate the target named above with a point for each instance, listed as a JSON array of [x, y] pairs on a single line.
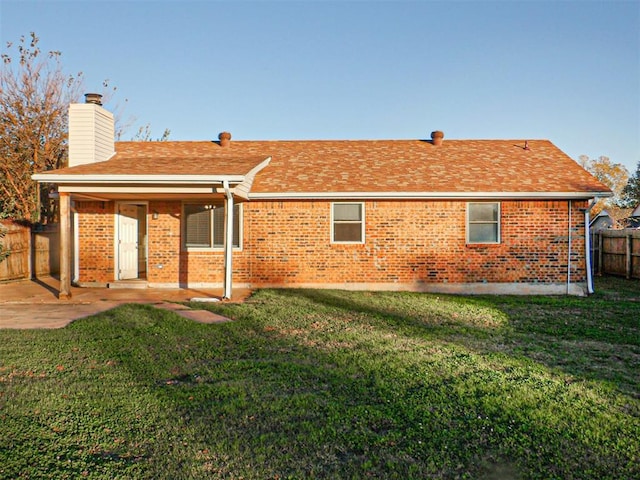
[[204, 226], [483, 222], [347, 223]]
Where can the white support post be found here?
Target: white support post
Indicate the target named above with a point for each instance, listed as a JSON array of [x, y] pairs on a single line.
[[228, 240], [65, 246]]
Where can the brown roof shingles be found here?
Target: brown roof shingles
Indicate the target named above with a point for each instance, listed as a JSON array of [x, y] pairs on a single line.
[[418, 166], [390, 166], [168, 158]]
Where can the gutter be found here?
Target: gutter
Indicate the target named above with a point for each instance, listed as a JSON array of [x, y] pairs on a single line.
[[425, 195], [136, 179]]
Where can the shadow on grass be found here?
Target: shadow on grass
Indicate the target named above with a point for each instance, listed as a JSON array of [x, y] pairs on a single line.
[[595, 338], [329, 384], [325, 384]]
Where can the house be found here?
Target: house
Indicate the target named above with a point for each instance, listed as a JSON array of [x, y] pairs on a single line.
[[469, 216], [617, 218], [602, 221], [633, 220]]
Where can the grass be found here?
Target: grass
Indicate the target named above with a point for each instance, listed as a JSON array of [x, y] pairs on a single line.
[[332, 384]]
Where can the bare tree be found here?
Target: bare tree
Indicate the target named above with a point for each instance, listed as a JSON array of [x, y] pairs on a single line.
[[144, 135], [34, 97]]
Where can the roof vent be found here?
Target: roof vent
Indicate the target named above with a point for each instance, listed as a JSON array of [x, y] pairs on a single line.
[[225, 139], [94, 98], [437, 137]]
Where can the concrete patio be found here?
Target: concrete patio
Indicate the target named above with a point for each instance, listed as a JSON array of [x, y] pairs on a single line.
[[34, 303]]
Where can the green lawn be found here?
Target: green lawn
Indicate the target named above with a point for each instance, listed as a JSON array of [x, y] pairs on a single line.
[[332, 384]]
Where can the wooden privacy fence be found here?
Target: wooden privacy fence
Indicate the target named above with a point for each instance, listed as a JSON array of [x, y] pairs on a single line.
[[616, 252], [32, 253]]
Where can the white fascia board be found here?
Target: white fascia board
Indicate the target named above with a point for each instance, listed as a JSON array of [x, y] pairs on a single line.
[[243, 189], [259, 167], [427, 195], [138, 189], [138, 179]]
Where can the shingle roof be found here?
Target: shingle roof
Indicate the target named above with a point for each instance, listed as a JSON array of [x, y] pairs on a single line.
[[350, 166], [418, 166], [168, 158]]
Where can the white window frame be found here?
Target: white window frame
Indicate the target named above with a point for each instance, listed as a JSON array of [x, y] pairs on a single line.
[[361, 221], [496, 222], [212, 247]]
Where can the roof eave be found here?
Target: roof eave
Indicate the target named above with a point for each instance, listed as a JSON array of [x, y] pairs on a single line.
[[427, 195], [137, 179]]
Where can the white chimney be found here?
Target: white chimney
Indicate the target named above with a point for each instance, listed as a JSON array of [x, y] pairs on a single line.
[[91, 132]]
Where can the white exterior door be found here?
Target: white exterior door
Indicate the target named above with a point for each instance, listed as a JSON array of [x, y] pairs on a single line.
[[127, 241]]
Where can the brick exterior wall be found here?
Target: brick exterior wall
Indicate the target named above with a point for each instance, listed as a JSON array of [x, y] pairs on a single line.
[[96, 241], [287, 243]]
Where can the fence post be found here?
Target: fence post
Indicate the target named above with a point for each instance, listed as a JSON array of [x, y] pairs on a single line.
[[600, 254], [31, 254], [628, 256]]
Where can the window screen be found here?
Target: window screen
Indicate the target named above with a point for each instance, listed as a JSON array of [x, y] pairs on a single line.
[[348, 222], [483, 223]]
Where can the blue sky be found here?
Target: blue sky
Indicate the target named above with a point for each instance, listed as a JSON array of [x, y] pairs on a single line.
[[567, 71]]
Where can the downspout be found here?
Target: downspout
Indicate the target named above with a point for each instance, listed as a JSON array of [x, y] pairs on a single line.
[[569, 252], [228, 239], [587, 245]]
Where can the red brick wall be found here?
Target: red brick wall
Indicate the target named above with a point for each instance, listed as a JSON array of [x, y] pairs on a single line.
[[288, 243], [95, 236], [164, 254]]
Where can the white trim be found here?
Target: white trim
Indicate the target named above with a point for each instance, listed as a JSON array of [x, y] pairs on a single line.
[[577, 289], [426, 195], [135, 190], [116, 235], [245, 182], [128, 179], [228, 241], [587, 246], [116, 240], [94, 191], [213, 189], [243, 189], [75, 220], [475, 288], [498, 222], [362, 225]]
